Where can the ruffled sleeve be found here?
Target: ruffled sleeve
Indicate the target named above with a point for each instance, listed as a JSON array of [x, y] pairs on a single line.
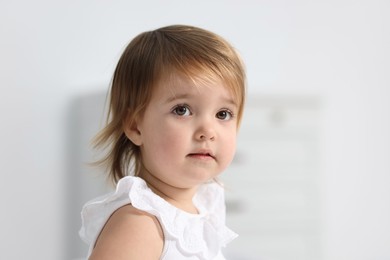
[[96, 212], [201, 235]]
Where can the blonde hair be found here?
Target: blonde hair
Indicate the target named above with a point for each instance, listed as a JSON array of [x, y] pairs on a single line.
[[149, 58]]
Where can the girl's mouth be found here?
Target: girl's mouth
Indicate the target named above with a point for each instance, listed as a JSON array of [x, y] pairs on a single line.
[[203, 156]]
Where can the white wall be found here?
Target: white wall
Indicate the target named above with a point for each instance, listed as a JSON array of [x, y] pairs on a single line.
[[52, 52]]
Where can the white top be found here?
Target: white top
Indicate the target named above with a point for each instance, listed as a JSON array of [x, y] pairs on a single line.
[[186, 235]]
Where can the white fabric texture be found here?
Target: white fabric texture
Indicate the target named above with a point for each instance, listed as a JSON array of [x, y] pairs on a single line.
[[186, 236]]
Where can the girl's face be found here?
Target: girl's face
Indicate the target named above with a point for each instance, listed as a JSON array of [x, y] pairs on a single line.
[[187, 135]]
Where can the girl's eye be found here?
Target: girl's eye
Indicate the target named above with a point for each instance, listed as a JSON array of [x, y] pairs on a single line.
[[181, 110], [224, 115]]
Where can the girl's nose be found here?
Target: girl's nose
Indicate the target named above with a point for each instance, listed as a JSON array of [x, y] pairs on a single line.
[[205, 132], [205, 137]]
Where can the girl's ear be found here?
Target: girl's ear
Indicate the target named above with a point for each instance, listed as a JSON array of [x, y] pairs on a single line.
[[131, 130]]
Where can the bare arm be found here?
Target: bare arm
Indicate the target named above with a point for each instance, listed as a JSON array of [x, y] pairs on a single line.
[[129, 234]]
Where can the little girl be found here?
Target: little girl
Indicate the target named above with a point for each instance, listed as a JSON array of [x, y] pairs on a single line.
[[176, 102]]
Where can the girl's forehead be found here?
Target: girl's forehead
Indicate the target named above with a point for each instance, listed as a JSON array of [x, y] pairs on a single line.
[[178, 84]]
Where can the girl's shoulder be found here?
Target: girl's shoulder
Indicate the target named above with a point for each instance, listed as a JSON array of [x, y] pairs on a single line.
[[129, 232], [115, 209]]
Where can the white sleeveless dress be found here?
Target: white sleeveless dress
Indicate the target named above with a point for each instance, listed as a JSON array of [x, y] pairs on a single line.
[[186, 236]]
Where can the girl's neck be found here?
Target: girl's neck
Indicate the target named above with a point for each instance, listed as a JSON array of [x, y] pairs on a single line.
[[178, 197]]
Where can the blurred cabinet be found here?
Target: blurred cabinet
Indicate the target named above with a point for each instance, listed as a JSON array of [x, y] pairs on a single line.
[[272, 188]]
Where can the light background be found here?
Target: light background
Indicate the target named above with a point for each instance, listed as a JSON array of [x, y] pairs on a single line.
[[52, 52]]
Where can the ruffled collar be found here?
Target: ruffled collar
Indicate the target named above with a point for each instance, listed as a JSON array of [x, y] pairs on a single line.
[[200, 234]]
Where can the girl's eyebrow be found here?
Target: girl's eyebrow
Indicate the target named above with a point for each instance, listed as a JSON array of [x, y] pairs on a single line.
[[174, 97], [231, 101]]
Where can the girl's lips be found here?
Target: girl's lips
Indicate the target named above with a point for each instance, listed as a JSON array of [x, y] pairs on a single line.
[[201, 155]]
